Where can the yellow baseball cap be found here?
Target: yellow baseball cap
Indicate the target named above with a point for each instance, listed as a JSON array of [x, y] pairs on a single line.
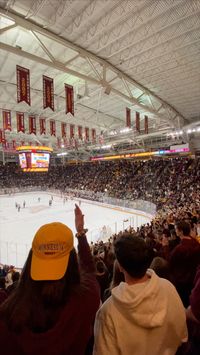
[[51, 248]]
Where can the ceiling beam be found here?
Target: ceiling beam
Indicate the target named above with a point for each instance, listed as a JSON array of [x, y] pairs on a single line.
[[30, 26]]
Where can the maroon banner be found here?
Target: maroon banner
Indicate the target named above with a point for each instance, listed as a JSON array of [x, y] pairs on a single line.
[[59, 142], [1, 136], [53, 128], [128, 117], [71, 130], [13, 144], [6, 120], [48, 93], [69, 97], [42, 126], [66, 142], [4, 143], [137, 121], [20, 122], [101, 138], [63, 129], [87, 134], [146, 124], [80, 132], [93, 135], [32, 124], [23, 85]]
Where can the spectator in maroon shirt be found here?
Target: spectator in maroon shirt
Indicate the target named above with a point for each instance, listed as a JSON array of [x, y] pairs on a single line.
[[53, 308], [3, 293], [183, 261]]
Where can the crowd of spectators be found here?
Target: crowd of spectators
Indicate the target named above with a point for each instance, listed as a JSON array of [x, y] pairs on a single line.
[[164, 182], [172, 237]]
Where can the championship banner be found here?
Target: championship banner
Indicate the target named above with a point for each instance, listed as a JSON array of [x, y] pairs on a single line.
[[6, 120], [137, 121], [101, 138], [69, 97], [146, 124], [48, 93], [32, 124], [63, 129], [13, 144], [42, 126], [4, 144], [71, 130], [59, 142], [87, 134], [80, 132], [1, 135], [66, 142], [23, 85], [128, 117], [53, 128], [20, 122], [93, 134]]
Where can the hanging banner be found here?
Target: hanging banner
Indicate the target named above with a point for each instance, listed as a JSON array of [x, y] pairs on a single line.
[[20, 122], [59, 142], [42, 126], [48, 93], [87, 134], [6, 120], [13, 144], [4, 144], [63, 129], [128, 117], [23, 85], [66, 142], [53, 128], [32, 124], [71, 130], [80, 132], [1, 135], [146, 124], [101, 138], [69, 97], [137, 121], [93, 135]]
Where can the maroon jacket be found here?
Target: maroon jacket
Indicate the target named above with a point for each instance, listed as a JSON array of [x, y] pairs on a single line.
[[195, 296], [183, 263], [72, 331]]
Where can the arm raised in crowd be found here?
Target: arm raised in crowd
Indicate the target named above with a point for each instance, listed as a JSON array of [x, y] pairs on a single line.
[[85, 257]]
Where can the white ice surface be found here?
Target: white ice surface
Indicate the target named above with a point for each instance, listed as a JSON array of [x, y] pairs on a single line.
[[17, 229]]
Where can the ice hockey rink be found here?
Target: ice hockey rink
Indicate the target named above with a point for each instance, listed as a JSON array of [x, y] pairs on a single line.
[[18, 228]]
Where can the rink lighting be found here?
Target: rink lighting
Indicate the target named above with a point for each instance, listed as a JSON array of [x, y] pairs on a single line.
[[106, 146], [125, 130], [189, 131], [61, 154]]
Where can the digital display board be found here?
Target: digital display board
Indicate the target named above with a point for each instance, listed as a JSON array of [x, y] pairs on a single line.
[[39, 160], [34, 159], [22, 160]]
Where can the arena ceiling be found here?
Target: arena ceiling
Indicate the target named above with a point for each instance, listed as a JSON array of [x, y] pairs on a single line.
[[141, 54]]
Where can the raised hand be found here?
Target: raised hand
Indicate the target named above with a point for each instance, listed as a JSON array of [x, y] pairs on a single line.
[[79, 219]]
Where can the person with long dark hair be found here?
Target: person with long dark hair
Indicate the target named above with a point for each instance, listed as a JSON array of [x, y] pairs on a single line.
[[53, 307]]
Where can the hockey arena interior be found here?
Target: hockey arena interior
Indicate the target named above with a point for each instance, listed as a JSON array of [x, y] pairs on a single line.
[[100, 177]]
